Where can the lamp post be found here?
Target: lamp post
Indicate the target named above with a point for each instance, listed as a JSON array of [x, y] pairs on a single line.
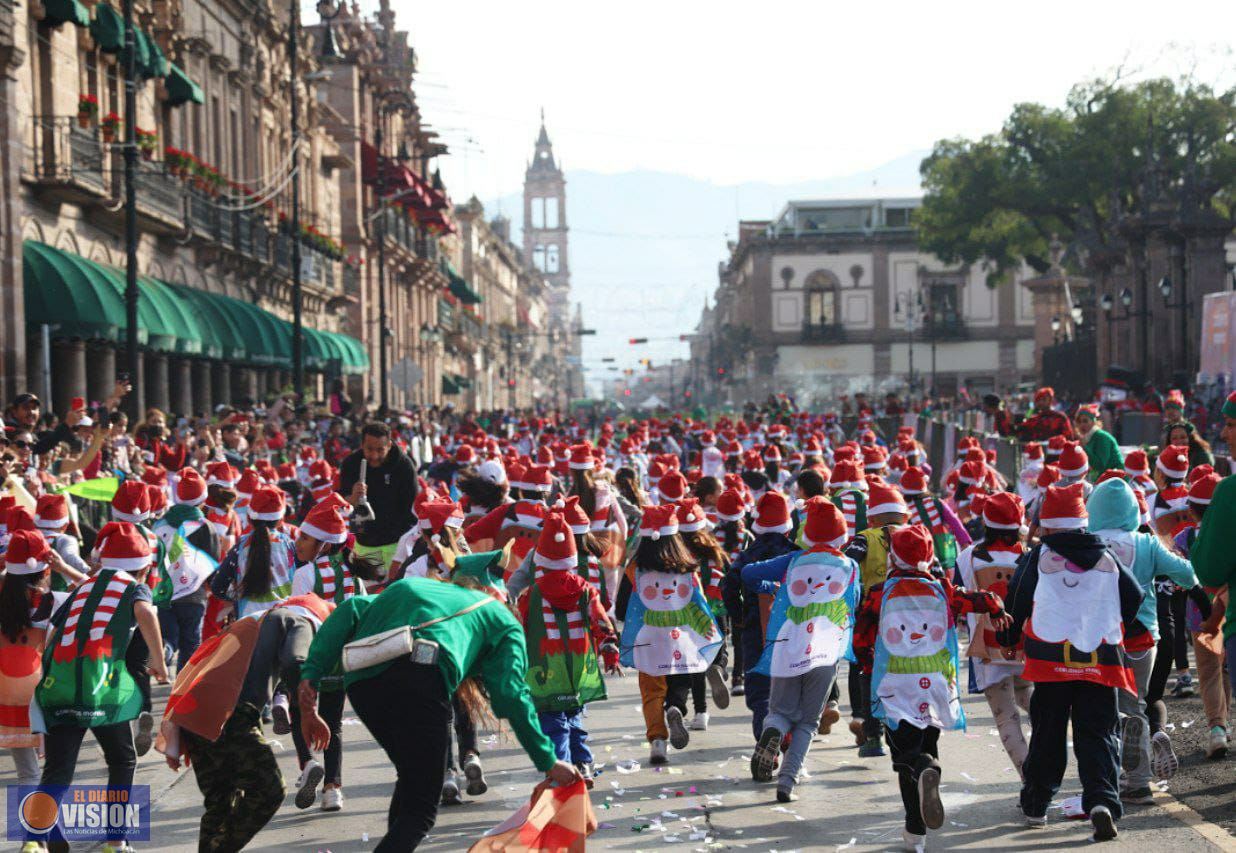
[[1107, 303], [1182, 305], [1055, 330], [131, 294]]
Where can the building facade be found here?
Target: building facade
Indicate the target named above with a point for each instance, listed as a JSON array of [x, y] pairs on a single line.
[[835, 297]]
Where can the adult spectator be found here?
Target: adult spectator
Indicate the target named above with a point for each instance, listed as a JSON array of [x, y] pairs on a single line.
[[1001, 419], [1046, 420], [1099, 444], [1184, 434], [389, 488]]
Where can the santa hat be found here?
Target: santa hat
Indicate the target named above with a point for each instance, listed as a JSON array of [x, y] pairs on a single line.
[[846, 476], [708, 439], [873, 458], [249, 480], [1203, 489], [772, 453], [823, 523], [660, 520], [190, 487], [121, 546], [1073, 461], [154, 475], [465, 454], [7, 502], [1174, 463], [515, 474], [222, 474], [51, 512], [973, 473], [1064, 507], [1229, 406], [27, 553], [131, 502], [731, 506], [912, 548], [1170, 500], [1044, 393], [1033, 452], [320, 472], [555, 549], [576, 518], [1055, 445], [433, 515], [1003, 511], [325, 524], [19, 518], [913, 482], [672, 487], [537, 478], [691, 518], [885, 499], [1112, 474], [1136, 464], [1047, 476], [267, 504], [530, 513], [772, 514], [581, 458], [1199, 471]]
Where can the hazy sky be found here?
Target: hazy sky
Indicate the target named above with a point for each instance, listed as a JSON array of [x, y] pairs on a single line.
[[772, 91]]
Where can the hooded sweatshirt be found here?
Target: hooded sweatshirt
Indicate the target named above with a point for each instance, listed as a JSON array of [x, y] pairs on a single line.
[[1114, 519]]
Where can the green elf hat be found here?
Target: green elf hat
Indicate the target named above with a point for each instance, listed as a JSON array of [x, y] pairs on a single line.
[[487, 568], [1229, 406]]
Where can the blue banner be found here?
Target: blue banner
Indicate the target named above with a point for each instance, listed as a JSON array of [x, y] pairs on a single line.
[[78, 813]]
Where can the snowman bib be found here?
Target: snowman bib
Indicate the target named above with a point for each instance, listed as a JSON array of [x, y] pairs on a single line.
[[669, 629], [812, 617], [914, 679]]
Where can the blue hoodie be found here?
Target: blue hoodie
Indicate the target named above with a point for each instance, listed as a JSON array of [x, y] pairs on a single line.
[[1114, 519]]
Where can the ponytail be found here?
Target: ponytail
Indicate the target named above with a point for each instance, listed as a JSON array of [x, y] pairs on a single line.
[[258, 573], [15, 604]]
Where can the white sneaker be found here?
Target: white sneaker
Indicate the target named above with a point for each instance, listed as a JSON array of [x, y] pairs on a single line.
[[658, 753], [450, 791], [307, 784], [699, 723], [1163, 758], [913, 843], [332, 799], [1216, 745], [281, 714]]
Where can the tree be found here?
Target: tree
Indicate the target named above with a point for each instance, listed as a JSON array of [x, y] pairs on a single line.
[[1078, 172]]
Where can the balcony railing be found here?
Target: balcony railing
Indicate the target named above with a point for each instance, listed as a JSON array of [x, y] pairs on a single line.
[[68, 156], [823, 333], [160, 193]]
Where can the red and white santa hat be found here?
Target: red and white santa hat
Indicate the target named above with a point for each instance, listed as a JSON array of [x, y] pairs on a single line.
[[913, 482], [1202, 490], [325, 523], [1064, 507], [731, 506], [1033, 452], [1174, 463], [1197, 472], [772, 453], [874, 458], [581, 458], [823, 523], [26, 554], [672, 487], [912, 548], [222, 474], [465, 454], [249, 480], [708, 438], [190, 487], [433, 515], [52, 512], [659, 520], [537, 478], [121, 546], [555, 549], [1003, 511], [267, 504], [530, 514], [1049, 475], [576, 518], [691, 519], [1073, 461], [885, 499], [131, 502], [772, 514], [1136, 464]]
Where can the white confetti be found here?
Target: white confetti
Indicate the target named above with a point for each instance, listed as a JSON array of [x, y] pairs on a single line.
[[848, 844], [968, 777], [627, 765]]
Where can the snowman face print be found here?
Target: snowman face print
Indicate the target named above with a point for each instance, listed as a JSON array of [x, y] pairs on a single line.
[[910, 630], [815, 583], [665, 590]]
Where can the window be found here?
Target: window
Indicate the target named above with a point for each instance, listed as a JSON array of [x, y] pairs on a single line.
[[897, 217], [551, 212], [551, 258], [538, 213], [943, 304], [538, 258], [821, 296]]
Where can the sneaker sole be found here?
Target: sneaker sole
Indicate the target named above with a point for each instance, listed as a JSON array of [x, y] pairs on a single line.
[[720, 690], [327, 808], [280, 720], [1130, 738], [929, 798], [1104, 826], [307, 793], [764, 759], [453, 800], [679, 736], [475, 774], [144, 739], [1165, 763], [697, 727]]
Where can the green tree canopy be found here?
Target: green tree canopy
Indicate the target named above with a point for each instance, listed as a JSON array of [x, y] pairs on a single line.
[[1077, 171]]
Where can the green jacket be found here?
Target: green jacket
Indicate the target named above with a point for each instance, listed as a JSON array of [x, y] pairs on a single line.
[[487, 642], [1214, 558], [1103, 453]]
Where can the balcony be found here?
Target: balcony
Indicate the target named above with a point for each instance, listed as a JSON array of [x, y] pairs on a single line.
[[947, 327], [160, 196], [823, 333], [68, 159]]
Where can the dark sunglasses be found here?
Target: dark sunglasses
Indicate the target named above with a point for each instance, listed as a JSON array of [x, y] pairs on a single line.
[[21, 445]]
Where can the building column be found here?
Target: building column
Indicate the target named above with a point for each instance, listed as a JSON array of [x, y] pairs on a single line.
[[68, 373], [100, 370], [202, 386], [157, 382], [220, 383], [12, 207], [181, 386]]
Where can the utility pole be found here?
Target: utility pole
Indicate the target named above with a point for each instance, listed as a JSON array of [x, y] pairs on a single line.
[[131, 295], [383, 391], [298, 332]]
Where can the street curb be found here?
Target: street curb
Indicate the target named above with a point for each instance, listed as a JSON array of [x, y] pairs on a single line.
[[1210, 831]]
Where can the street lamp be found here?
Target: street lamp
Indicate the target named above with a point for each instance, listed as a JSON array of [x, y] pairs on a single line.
[[1055, 329], [1126, 299], [1106, 303]]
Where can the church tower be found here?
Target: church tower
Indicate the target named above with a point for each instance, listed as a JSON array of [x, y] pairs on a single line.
[[545, 225]]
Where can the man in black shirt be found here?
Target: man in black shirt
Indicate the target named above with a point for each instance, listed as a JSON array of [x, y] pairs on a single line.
[[389, 487]]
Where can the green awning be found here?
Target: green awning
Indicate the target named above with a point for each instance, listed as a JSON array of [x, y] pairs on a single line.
[[463, 381], [160, 332], [150, 59], [459, 286], [107, 29], [356, 357], [222, 335], [174, 313], [268, 341], [72, 295], [180, 89], [59, 12], [449, 385]]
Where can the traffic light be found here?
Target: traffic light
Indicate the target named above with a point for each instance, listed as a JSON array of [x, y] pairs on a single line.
[[637, 341]]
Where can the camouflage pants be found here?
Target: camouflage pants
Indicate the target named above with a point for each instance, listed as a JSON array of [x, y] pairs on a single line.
[[239, 779]]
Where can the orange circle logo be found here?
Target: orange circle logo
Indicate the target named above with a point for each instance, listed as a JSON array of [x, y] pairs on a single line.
[[38, 812]]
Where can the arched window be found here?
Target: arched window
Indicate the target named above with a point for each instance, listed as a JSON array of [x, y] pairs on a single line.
[[821, 292]]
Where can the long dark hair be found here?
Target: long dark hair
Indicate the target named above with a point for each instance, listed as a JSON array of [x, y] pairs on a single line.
[[628, 486], [1196, 442], [664, 554], [258, 572], [15, 603], [588, 542], [706, 487], [1000, 536], [730, 535], [583, 485], [705, 548], [481, 492]]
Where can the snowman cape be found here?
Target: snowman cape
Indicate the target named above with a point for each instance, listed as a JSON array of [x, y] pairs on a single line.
[[842, 607], [661, 649], [934, 696]]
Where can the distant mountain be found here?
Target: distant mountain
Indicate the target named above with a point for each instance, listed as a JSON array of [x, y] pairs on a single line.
[[644, 246]]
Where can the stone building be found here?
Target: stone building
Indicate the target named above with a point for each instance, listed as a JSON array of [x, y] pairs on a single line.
[[834, 297]]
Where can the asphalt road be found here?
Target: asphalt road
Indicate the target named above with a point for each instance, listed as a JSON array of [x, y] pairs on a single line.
[[706, 800]]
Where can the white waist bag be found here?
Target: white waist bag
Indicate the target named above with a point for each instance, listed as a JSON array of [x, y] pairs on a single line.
[[399, 642]]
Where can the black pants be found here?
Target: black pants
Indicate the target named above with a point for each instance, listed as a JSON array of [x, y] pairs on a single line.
[[1180, 632], [677, 689], [736, 674], [136, 659], [913, 750], [62, 745], [465, 736], [407, 711], [1096, 744], [871, 725], [699, 683], [330, 708], [1156, 708]]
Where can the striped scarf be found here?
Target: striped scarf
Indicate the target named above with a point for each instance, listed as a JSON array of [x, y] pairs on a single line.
[[94, 646], [926, 511], [848, 502], [941, 662], [577, 635], [691, 616], [327, 583], [712, 589], [834, 611], [589, 569]]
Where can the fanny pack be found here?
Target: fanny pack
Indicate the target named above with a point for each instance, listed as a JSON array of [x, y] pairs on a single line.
[[399, 642]]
